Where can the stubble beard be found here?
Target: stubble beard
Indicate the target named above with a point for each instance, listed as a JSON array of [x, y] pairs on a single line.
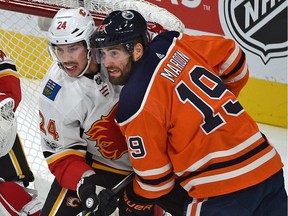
[[121, 80]]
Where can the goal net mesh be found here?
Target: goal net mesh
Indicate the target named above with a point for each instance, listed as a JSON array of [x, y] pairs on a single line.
[[23, 37]]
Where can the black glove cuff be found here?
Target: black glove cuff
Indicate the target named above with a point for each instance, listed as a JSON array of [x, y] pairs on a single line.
[[131, 204], [108, 202]]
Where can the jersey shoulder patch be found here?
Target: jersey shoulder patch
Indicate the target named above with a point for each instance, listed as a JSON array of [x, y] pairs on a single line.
[[51, 89]]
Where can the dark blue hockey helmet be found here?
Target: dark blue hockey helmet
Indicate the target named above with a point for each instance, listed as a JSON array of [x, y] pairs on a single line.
[[120, 27]]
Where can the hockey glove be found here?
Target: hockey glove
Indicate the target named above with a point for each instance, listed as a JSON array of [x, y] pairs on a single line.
[[86, 191], [175, 201], [108, 203], [131, 204], [8, 125]]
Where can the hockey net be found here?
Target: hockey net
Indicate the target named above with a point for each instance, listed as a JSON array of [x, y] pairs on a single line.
[[23, 32]]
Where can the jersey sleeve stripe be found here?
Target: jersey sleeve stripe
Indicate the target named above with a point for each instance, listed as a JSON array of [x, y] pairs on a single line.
[[156, 171], [7, 67], [230, 163], [150, 188], [236, 69], [238, 77], [47, 153], [56, 157], [250, 141], [157, 181], [232, 174], [229, 61]]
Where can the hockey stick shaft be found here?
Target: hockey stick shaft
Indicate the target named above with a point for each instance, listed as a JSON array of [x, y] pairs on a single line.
[[123, 183], [116, 189]]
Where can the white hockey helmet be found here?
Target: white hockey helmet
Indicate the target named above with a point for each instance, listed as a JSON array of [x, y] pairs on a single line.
[[71, 26]]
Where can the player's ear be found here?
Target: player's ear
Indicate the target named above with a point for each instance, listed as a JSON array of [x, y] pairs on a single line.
[[138, 51]]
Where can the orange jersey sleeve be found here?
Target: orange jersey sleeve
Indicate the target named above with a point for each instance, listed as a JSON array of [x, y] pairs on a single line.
[[180, 115], [225, 59]]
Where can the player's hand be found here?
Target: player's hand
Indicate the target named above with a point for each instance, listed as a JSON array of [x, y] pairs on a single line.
[[86, 191], [108, 203], [131, 204], [175, 201]]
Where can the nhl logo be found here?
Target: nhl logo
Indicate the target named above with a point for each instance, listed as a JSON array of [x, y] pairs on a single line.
[[259, 26]]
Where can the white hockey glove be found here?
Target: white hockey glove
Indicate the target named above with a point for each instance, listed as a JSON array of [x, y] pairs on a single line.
[[8, 125]]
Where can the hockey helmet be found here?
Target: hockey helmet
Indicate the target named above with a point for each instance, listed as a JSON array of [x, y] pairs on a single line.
[[120, 27], [71, 26]]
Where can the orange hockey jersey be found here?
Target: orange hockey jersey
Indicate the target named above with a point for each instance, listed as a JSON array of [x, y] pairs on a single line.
[[181, 118]]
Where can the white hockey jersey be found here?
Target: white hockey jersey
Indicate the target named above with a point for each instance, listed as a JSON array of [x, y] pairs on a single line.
[[77, 124]]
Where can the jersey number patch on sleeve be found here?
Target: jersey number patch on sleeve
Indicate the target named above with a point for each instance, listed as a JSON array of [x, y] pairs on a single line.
[[51, 127], [136, 147]]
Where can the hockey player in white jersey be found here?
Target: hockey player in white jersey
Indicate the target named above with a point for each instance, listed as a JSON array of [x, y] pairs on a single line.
[[80, 140]]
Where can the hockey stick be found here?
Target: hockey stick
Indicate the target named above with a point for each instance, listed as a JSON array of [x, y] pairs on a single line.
[[123, 183]]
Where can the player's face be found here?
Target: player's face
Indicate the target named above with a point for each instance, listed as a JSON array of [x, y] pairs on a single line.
[[73, 57], [118, 63]]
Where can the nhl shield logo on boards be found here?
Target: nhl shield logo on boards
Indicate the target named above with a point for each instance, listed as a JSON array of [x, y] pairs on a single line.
[[260, 26]]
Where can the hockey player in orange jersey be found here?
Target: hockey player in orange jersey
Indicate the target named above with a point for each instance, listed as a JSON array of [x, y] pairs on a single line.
[[179, 112]]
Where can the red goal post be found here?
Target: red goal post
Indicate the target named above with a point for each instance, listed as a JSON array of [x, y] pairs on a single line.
[[98, 8], [44, 8]]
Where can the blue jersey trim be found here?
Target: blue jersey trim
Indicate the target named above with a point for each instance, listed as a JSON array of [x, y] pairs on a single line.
[[133, 92]]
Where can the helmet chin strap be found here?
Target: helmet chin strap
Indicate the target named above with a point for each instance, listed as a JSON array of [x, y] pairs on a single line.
[[87, 65]]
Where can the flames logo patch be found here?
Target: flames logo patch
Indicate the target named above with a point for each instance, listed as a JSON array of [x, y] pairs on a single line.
[[109, 139], [72, 202]]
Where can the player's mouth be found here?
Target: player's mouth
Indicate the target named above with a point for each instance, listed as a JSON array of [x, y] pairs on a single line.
[[71, 70], [114, 72]]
